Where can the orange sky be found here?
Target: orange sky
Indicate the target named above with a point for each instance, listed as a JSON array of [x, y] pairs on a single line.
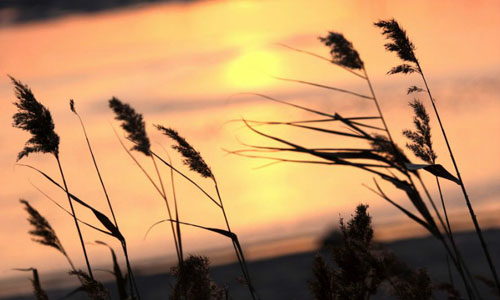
[[182, 64]]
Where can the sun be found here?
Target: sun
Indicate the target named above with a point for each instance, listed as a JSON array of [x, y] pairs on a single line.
[[252, 69]]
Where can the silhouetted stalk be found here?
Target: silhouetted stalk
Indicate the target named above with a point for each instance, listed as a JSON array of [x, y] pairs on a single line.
[[178, 225], [74, 216], [325, 87], [428, 195], [164, 195], [396, 151], [323, 58], [239, 254], [123, 243], [444, 210], [461, 267], [129, 270], [456, 259], [450, 276], [137, 163], [187, 178], [462, 185]]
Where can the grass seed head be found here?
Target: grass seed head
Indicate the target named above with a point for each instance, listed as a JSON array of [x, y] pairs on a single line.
[[192, 158], [342, 51], [42, 232], [400, 43], [133, 124], [35, 118], [421, 139]]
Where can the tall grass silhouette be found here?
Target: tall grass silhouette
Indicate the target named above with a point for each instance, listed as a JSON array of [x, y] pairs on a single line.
[[36, 119], [383, 158], [401, 44]]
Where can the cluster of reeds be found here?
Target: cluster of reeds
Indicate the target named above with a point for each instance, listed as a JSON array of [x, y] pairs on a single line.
[[32, 116], [361, 268], [382, 157]]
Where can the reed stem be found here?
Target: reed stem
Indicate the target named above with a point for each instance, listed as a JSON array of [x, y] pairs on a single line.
[[164, 196], [74, 216], [123, 243], [462, 185], [239, 253]]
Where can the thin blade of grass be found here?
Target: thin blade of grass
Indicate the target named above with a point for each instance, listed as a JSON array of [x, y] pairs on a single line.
[[121, 281], [68, 212], [323, 58], [416, 200], [436, 170], [105, 221], [38, 291], [412, 216], [325, 87]]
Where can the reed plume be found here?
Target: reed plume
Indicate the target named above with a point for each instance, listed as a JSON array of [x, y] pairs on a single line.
[[342, 51], [192, 158], [42, 232], [401, 44], [133, 124], [421, 144], [35, 118]]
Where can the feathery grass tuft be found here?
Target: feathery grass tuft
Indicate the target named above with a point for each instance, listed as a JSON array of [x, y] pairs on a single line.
[[413, 89], [342, 51], [42, 232], [421, 144], [192, 158], [133, 124], [36, 119], [400, 43]]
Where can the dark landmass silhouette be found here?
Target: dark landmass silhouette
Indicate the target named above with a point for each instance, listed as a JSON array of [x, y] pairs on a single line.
[[286, 277], [23, 11]]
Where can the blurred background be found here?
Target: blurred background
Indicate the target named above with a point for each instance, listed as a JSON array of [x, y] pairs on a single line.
[[188, 65]]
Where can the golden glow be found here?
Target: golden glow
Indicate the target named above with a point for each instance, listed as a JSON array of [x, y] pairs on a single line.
[[178, 63], [251, 69]]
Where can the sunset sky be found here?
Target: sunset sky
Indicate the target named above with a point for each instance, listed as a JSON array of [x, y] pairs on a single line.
[[188, 66]]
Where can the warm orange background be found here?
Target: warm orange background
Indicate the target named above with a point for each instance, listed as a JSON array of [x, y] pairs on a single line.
[[182, 65]]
